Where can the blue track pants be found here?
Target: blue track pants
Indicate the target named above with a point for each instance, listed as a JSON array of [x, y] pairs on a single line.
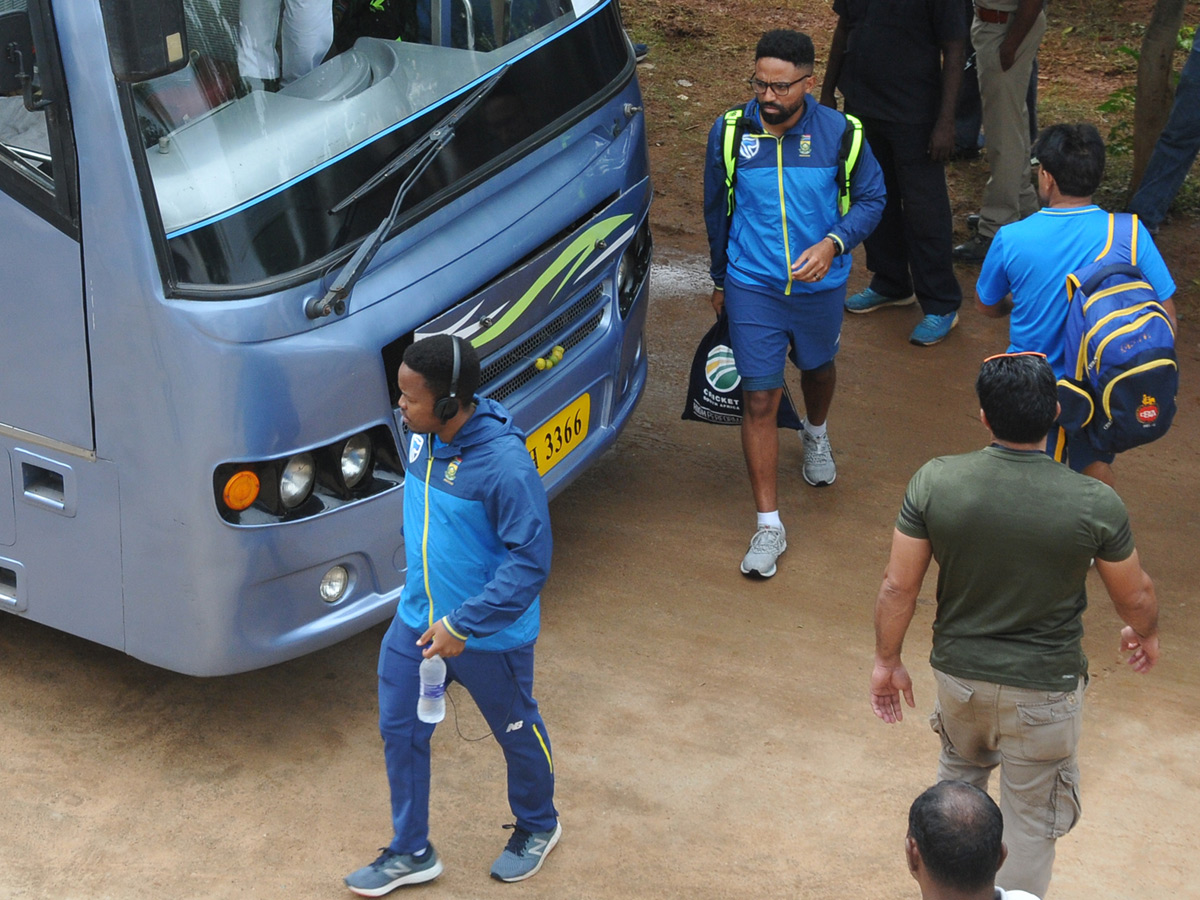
[[501, 684]]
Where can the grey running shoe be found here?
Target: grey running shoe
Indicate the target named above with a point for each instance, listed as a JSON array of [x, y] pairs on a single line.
[[766, 546], [525, 853], [818, 469], [392, 870]]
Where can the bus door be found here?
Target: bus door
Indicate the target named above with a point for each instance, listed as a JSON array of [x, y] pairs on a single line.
[[44, 383], [60, 552]]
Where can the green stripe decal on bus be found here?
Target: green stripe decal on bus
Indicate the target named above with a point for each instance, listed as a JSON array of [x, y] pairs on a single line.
[[577, 252]]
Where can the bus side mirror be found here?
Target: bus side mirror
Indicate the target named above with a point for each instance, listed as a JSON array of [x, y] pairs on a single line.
[[146, 38], [16, 51]]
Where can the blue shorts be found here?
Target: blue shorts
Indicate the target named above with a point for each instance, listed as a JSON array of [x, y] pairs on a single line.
[[1074, 450], [766, 327]]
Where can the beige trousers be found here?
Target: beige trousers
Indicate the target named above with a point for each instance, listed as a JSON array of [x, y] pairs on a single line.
[[1009, 194], [1032, 736]]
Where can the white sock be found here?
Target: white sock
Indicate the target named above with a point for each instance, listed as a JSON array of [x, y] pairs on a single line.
[[815, 430], [770, 518]]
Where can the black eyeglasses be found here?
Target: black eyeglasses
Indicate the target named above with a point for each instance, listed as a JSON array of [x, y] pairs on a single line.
[[778, 88]]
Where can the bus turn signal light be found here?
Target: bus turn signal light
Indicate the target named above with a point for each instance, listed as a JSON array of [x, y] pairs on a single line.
[[241, 490]]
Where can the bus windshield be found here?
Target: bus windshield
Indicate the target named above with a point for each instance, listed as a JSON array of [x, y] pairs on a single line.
[[286, 106]]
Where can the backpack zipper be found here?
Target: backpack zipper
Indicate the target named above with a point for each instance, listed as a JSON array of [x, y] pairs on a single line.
[[1153, 364], [1081, 360], [1125, 329], [1116, 289]]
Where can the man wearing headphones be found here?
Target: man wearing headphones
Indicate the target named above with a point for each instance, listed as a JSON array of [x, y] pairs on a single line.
[[478, 546]]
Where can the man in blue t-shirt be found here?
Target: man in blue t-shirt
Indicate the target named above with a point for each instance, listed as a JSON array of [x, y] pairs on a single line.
[[1025, 271]]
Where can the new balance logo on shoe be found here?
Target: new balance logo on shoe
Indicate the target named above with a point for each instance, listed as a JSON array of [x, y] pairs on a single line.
[[515, 726]]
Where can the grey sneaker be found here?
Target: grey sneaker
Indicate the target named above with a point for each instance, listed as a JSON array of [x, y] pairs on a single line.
[[819, 469], [766, 546], [392, 870], [525, 853]]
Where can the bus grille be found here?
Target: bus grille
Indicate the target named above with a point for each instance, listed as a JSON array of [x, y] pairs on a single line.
[[513, 369]]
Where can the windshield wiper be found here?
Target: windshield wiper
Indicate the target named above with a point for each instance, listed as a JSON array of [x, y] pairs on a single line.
[[424, 150]]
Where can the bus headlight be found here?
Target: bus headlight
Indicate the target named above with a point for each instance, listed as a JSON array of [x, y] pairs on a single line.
[[296, 480], [356, 459], [334, 584]]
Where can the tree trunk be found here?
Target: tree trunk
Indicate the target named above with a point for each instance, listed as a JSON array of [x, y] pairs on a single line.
[[1154, 92]]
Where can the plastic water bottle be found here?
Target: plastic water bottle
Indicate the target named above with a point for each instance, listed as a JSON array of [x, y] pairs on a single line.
[[431, 702]]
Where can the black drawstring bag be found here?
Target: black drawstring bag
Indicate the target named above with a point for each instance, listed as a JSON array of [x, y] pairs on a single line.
[[715, 387]]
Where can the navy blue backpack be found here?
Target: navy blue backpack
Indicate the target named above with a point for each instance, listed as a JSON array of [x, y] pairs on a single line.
[[1122, 372]]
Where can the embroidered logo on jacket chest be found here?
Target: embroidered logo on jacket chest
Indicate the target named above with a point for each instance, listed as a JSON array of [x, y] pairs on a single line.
[[452, 470], [806, 145], [749, 147]]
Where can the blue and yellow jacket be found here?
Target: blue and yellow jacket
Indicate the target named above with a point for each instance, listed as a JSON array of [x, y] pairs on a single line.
[[476, 533], [786, 200]]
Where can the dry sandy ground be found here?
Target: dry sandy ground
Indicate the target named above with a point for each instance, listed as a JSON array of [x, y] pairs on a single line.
[[712, 735]]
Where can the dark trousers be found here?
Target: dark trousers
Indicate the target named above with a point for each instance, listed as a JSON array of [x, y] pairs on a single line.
[[501, 684], [909, 250]]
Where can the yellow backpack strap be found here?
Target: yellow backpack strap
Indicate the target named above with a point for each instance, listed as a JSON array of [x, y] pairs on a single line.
[[852, 139], [730, 138], [1081, 355]]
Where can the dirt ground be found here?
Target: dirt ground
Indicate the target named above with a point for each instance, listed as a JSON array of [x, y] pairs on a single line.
[[712, 736]]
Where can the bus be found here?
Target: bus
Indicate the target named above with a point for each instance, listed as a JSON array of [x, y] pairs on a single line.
[[221, 224]]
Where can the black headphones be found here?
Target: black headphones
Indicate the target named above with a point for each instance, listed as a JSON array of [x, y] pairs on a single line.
[[447, 408]]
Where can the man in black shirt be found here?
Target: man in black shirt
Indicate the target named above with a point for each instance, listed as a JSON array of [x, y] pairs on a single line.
[[898, 63]]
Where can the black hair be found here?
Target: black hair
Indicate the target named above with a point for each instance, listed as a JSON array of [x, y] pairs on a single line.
[[958, 830], [1019, 396], [433, 359], [1074, 155], [790, 46]]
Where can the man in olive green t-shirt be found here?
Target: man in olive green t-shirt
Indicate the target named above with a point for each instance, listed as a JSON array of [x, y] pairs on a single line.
[[1014, 534]]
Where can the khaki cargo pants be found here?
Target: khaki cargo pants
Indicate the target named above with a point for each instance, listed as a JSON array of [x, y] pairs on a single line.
[[1032, 735]]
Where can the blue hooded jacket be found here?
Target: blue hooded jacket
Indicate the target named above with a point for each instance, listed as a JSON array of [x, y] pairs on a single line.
[[479, 550], [786, 200]]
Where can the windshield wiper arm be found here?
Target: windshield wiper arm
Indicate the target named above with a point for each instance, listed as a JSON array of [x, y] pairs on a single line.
[[425, 150]]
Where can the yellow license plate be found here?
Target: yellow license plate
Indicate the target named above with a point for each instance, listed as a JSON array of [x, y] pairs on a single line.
[[549, 444]]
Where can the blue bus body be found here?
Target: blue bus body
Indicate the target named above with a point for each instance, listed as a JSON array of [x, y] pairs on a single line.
[[154, 354]]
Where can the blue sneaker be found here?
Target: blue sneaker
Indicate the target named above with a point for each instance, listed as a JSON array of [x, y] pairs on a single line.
[[393, 870], [867, 300], [933, 329], [640, 52], [525, 853]]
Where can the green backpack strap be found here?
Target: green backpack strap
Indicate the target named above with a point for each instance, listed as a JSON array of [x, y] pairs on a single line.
[[731, 137], [848, 156]]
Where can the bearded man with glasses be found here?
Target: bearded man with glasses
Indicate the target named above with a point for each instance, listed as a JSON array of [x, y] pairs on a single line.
[[789, 190]]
